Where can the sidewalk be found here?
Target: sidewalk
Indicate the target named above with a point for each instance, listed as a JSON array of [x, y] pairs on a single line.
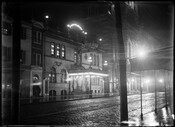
[[162, 118]]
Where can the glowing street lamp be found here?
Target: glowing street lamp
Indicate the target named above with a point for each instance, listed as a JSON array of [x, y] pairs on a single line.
[[142, 53], [90, 60], [161, 80], [47, 16]]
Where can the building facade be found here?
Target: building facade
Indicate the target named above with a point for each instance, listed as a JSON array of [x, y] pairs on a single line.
[[46, 59]]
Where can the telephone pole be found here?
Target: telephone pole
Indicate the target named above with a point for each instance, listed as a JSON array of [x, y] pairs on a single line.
[[15, 101], [122, 64]]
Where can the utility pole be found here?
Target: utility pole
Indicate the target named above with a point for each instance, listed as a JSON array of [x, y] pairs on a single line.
[[15, 101], [122, 64]]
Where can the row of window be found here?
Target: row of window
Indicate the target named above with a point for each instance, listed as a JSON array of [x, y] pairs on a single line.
[[7, 30], [96, 91], [57, 50], [7, 54], [95, 80]]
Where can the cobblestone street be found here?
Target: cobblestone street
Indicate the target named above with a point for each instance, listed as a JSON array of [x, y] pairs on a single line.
[[88, 112]]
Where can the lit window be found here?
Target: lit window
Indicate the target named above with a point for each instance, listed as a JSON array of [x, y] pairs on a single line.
[[58, 50], [6, 28], [75, 56], [63, 51], [52, 48], [52, 75]]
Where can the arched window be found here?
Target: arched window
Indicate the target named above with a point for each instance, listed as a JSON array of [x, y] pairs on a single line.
[[63, 76], [35, 78], [52, 75]]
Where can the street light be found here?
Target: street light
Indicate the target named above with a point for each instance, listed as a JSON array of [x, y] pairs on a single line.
[[47, 16], [112, 73], [100, 39], [90, 60], [141, 55]]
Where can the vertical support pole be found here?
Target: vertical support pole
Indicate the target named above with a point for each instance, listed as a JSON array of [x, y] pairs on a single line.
[[90, 94], [15, 101], [122, 65], [165, 83], [155, 76], [141, 115]]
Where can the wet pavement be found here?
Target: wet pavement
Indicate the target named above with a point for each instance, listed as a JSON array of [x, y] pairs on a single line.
[[96, 112], [162, 118]]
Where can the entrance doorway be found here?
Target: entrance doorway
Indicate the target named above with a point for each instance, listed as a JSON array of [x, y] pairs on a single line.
[[36, 91]]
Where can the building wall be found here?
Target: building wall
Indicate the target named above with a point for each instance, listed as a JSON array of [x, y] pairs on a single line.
[[26, 44], [58, 63]]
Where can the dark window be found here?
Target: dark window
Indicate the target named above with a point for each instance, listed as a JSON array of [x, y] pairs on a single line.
[[34, 36], [37, 37], [97, 60], [37, 59], [7, 53], [94, 59], [7, 28], [22, 57], [23, 33]]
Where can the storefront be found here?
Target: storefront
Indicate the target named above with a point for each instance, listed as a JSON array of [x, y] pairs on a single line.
[[87, 81]]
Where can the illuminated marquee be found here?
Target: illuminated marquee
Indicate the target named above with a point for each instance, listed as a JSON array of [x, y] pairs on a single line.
[[88, 73], [78, 26]]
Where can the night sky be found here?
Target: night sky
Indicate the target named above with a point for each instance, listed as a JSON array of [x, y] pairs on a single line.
[[155, 17]]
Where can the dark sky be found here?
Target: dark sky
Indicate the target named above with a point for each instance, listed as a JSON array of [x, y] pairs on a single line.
[[157, 20], [155, 16]]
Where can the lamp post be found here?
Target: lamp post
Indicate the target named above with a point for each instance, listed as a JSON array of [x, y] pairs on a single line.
[[90, 60], [141, 115], [155, 76], [162, 81], [112, 73], [141, 54]]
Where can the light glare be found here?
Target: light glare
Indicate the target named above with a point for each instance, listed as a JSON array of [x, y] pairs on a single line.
[[46, 16]]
